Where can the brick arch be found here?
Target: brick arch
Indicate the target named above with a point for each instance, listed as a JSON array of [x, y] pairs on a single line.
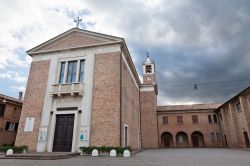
[[197, 139], [181, 139], [167, 140]]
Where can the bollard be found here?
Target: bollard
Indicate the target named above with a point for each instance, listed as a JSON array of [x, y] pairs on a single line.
[[95, 153], [126, 153]]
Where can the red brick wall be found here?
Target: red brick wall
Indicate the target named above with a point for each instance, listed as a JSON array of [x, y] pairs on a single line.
[[235, 123], [130, 108], [148, 119], [105, 116], [11, 114], [33, 103]]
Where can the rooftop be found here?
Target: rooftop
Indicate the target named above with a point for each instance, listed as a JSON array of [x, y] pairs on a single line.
[[2, 96], [211, 106]]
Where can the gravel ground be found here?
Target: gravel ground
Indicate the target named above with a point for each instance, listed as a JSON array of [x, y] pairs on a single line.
[[161, 157]]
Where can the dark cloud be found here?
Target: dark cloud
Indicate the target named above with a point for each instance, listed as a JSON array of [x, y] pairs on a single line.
[[190, 41], [211, 43]]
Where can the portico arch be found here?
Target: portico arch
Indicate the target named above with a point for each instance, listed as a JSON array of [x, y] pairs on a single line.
[[182, 140], [167, 140], [197, 139]]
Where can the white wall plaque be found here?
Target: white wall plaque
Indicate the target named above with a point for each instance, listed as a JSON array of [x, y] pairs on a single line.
[[29, 124]]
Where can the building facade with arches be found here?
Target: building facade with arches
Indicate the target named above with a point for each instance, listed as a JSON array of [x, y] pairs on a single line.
[[189, 126]]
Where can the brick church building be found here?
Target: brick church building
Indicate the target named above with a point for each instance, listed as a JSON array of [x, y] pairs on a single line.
[[83, 90]]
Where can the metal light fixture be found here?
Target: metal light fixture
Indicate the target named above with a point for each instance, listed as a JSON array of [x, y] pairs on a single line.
[[195, 87]]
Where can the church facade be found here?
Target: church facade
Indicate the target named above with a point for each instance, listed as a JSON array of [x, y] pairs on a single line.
[[83, 90]]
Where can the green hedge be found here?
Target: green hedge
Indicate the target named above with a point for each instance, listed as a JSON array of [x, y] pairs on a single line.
[[103, 149], [16, 149]]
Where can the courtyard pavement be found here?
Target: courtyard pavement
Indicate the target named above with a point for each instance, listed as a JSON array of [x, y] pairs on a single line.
[[161, 157]]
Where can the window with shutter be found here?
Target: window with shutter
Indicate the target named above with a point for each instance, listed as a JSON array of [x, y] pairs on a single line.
[[2, 109], [195, 118], [179, 120], [210, 119], [165, 120], [215, 118], [7, 125]]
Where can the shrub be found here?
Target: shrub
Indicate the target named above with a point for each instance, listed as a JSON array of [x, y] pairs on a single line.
[[103, 149], [16, 149]]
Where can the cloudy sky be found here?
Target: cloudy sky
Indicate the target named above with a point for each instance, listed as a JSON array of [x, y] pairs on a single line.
[[191, 41]]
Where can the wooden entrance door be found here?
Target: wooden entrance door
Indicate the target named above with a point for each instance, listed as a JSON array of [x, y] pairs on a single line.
[[167, 142], [63, 133], [246, 139], [195, 139]]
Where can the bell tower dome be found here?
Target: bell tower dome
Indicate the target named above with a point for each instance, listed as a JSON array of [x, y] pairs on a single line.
[[149, 71]]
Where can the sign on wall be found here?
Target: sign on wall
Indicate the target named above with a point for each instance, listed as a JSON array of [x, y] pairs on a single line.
[[43, 134], [83, 134], [29, 124]]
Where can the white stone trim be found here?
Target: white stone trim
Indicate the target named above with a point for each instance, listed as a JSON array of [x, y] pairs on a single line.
[[68, 54], [86, 102], [124, 59], [47, 103], [65, 73], [95, 35], [147, 88], [53, 127]]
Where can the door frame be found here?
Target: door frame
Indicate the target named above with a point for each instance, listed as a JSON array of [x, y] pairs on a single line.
[[65, 124], [246, 138], [195, 139], [53, 127]]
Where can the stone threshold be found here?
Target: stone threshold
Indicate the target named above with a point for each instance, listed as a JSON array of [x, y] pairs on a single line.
[[42, 156]]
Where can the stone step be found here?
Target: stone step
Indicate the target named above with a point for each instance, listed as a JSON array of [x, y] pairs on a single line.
[[42, 156]]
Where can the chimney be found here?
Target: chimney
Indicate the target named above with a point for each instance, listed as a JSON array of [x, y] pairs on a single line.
[[20, 96]]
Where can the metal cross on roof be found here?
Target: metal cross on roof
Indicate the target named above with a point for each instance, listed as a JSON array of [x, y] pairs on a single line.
[[77, 20]]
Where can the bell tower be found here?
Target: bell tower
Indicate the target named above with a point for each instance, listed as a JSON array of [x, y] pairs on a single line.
[[148, 103], [149, 71]]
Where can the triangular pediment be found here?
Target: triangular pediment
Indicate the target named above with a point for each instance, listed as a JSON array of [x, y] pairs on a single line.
[[74, 38]]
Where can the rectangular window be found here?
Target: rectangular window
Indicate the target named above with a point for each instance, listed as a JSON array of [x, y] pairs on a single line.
[[218, 137], [179, 120], [2, 109], [71, 74], [195, 118], [11, 126], [210, 119], [126, 136], [212, 137], [215, 118], [165, 120], [81, 72], [61, 77], [238, 107]]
